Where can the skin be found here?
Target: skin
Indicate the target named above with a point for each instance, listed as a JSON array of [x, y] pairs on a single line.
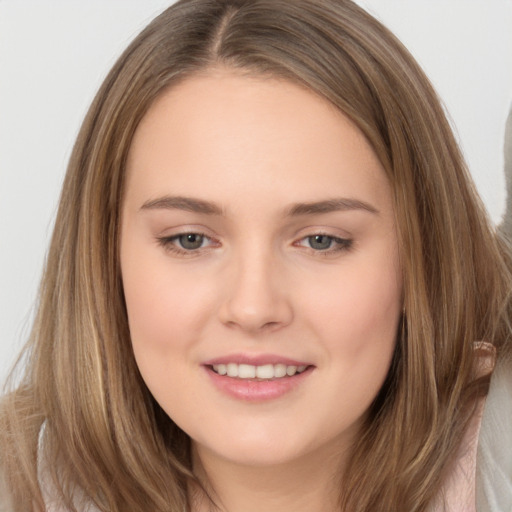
[[255, 147]]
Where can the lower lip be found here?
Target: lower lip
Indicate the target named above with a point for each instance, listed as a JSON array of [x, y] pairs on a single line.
[[251, 390]]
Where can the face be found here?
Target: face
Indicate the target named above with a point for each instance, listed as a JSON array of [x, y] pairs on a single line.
[[260, 267]]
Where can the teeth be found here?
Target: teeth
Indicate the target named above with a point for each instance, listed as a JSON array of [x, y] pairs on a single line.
[[232, 370], [291, 370], [266, 371], [222, 369], [279, 370], [246, 371]]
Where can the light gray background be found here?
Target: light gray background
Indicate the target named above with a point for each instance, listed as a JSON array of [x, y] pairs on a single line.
[[54, 54]]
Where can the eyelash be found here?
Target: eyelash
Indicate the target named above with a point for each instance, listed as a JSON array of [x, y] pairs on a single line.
[[169, 243], [337, 245]]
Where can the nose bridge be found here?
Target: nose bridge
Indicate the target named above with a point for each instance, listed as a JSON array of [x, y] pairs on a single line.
[[255, 296]]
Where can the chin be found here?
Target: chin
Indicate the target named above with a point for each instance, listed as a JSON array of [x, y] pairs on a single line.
[[256, 450]]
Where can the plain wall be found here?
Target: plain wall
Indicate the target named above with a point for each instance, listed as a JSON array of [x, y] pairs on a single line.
[[54, 54]]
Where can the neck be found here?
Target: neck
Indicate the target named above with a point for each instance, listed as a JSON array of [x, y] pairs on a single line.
[[309, 484]]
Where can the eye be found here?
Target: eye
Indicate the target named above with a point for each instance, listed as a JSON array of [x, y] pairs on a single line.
[[186, 243], [325, 243], [190, 241], [320, 242]]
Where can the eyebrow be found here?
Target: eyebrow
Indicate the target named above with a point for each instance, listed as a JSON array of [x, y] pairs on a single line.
[[188, 204], [195, 205], [330, 205]]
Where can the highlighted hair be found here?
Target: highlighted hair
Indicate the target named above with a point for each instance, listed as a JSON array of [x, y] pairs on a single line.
[[105, 439]]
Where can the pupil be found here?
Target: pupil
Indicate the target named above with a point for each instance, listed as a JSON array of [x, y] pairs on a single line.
[[320, 242], [191, 241]]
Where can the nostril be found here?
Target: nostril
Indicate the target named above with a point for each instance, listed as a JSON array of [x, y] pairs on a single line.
[[255, 304]]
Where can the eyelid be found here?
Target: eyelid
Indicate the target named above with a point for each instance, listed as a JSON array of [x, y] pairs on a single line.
[[342, 244], [183, 229], [168, 242]]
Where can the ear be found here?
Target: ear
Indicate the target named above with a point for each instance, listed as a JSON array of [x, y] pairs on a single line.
[[506, 225]]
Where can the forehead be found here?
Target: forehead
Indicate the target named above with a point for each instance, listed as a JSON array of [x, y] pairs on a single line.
[[224, 128]]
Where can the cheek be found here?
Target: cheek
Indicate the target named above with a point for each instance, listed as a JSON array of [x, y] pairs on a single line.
[[361, 305], [166, 315], [360, 342], [165, 309], [357, 321]]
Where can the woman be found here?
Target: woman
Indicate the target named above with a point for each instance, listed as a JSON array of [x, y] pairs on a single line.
[[271, 284]]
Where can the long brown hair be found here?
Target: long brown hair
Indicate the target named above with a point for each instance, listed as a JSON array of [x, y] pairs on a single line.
[[82, 407]]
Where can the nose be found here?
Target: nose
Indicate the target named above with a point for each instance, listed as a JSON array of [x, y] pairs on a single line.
[[256, 297]]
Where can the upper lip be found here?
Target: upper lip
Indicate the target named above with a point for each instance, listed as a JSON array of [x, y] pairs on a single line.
[[256, 360]]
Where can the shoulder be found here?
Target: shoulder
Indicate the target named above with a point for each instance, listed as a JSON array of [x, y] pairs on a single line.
[[494, 459]]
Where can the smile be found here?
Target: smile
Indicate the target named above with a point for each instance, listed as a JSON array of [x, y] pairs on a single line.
[[257, 378], [264, 372]]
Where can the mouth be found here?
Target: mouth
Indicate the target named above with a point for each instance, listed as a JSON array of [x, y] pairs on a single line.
[[257, 379], [265, 372]]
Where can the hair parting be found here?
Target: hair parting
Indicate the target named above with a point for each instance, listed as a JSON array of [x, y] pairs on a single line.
[[82, 411]]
